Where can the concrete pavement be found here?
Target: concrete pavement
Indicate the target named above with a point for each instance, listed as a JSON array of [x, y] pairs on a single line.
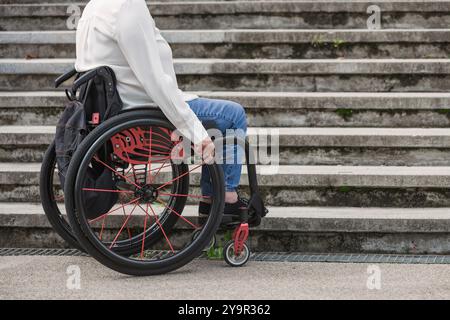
[[38, 277]]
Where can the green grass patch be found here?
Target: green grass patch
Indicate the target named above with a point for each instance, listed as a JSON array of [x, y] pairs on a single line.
[[344, 113], [337, 43], [443, 111], [216, 252], [344, 189]]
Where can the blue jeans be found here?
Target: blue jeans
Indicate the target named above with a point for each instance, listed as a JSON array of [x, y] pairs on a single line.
[[226, 115]]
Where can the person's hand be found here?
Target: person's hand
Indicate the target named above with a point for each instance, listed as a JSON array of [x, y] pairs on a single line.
[[208, 151]]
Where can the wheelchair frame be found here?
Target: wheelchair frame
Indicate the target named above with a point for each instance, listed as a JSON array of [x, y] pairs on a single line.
[[250, 217]]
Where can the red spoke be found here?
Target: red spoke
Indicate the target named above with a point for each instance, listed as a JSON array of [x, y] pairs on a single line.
[[103, 227], [125, 215], [155, 169], [119, 174], [111, 211], [150, 154], [132, 167], [163, 166], [106, 190], [169, 182], [143, 235], [165, 161], [123, 226], [184, 195], [159, 224], [179, 215], [128, 171], [159, 169], [161, 160]]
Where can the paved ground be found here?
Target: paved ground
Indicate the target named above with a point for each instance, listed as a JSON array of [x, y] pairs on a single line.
[[34, 277]]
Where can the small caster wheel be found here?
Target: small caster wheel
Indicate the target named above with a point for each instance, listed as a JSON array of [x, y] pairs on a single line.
[[211, 244], [231, 258]]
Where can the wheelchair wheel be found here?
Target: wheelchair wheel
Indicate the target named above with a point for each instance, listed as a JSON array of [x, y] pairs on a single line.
[[145, 231], [233, 259], [52, 198], [210, 245]]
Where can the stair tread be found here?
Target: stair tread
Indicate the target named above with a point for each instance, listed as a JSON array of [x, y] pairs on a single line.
[[296, 137], [255, 61], [289, 177], [202, 66], [235, 7], [286, 219], [25, 208], [269, 100], [250, 35], [302, 131], [60, 93], [293, 170]]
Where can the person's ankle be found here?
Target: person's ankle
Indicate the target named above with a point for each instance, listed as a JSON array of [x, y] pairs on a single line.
[[231, 197]]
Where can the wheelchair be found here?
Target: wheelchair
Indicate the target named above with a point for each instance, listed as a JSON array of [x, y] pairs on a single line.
[[151, 227]]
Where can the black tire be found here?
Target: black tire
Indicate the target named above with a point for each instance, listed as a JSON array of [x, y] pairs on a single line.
[[210, 245], [115, 259], [233, 260], [59, 222], [48, 199]]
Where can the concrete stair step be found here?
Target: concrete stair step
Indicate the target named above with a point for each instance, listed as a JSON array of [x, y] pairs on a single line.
[[287, 137], [297, 146], [273, 109], [317, 205], [249, 14], [260, 66], [365, 75], [291, 185], [85, 1], [283, 218], [255, 44], [147, 1], [407, 230]]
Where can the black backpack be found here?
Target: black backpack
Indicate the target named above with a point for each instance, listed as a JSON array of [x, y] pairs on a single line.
[[97, 101]]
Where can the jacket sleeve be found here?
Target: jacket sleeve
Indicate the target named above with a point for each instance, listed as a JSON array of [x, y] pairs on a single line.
[[135, 34]]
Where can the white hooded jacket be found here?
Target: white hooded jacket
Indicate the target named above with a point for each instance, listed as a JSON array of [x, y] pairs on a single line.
[[122, 34]]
